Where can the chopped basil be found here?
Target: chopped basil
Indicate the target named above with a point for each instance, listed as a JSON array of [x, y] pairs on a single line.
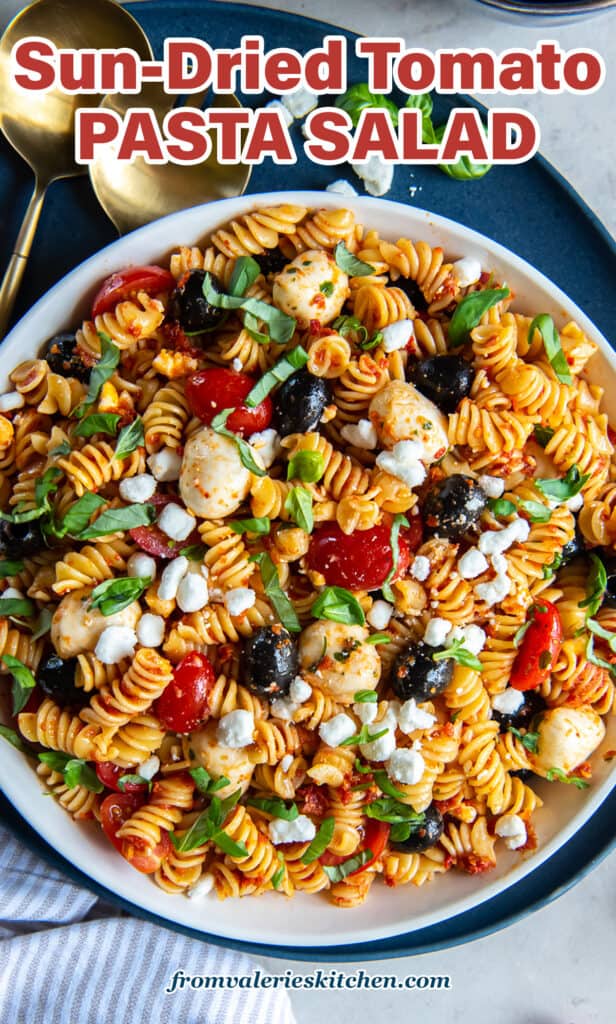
[[327, 288], [271, 584], [373, 342], [131, 437], [75, 770], [378, 638], [363, 736], [562, 490], [458, 653], [42, 624], [245, 451], [306, 466], [347, 650], [536, 511], [320, 842], [550, 570], [245, 273], [115, 519], [205, 783], [194, 552], [23, 517], [551, 342], [594, 659], [298, 504], [112, 596], [530, 740], [340, 871], [543, 435], [501, 507], [62, 449], [358, 98], [558, 775], [278, 875], [392, 811], [338, 605], [385, 785], [78, 516], [469, 312], [275, 806], [16, 741], [23, 681], [281, 327], [45, 485], [280, 371], [260, 526], [208, 827], [595, 587], [365, 697], [398, 521], [100, 373], [348, 325], [349, 263], [98, 423], [605, 634], [8, 568], [133, 780], [16, 606]]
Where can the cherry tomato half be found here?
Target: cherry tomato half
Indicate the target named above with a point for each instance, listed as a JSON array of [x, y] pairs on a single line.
[[539, 649], [153, 540], [360, 560], [376, 834], [210, 391], [183, 704], [115, 810], [127, 282], [144, 858], [109, 773]]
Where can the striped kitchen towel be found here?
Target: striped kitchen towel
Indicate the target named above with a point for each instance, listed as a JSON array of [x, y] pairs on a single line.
[[66, 957]]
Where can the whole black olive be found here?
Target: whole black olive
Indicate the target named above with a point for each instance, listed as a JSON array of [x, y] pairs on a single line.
[[19, 540], [272, 261], [453, 505], [62, 356], [445, 380], [412, 290], [269, 662], [573, 548], [521, 719], [190, 307], [416, 674], [427, 835], [56, 678], [299, 403]]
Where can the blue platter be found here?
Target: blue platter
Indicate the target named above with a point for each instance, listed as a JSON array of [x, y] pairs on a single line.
[[529, 208]]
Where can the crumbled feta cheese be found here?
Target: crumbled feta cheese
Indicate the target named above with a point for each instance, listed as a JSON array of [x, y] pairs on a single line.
[[376, 175], [383, 748], [300, 691], [286, 762], [300, 102], [236, 729], [473, 638], [493, 486], [420, 569], [472, 564], [12, 400], [495, 590], [437, 631], [280, 108], [151, 630], [360, 435], [148, 768], [267, 444], [283, 708], [406, 766], [172, 574], [237, 365], [239, 600], [411, 717], [380, 613], [403, 461], [115, 643], [494, 542], [337, 729], [341, 187], [300, 830], [398, 335], [366, 711], [575, 503], [165, 465], [12, 593], [467, 271], [176, 522], [508, 702], [512, 829], [192, 593], [202, 888], [141, 566], [138, 489]]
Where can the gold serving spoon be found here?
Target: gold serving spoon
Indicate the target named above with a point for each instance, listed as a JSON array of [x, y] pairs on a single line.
[[133, 194], [40, 125]]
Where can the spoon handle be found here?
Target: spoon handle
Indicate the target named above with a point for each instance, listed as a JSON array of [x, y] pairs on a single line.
[[17, 263]]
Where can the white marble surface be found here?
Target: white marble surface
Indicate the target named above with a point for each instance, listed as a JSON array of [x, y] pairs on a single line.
[[555, 967]]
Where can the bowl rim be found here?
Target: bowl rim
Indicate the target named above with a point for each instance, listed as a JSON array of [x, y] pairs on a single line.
[[89, 275]]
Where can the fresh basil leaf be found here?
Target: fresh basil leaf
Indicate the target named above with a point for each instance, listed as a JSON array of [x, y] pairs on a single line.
[[350, 264], [350, 325], [604, 634], [245, 273], [246, 453], [595, 587], [558, 775], [378, 638], [394, 540], [133, 780], [423, 103], [201, 778], [550, 570], [260, 526], [400, 832], [306, 466], [298, 504], [79, 773], [320, 842], [16, 741], [392, 811], [114, 595], [78, 515], [98, 423], [594, 659], [536, 512], [45, 485], [458, 653], [271, 584], [358, 98], [278, 875], [340, 871], [280, 371], [24, 517], [194, 552], [114, 520], [553, 348], [501, 507], [100, 373], [365, 696], [373, 342], [530, 740], [275, 806], [543, 435], [338, 605], [207, 825], [62, 449], [55, 760], [9, 568], [17, 606], [363, 736], [562, 490], [469, 312], [281, 326], [464, 169], [131, 437], [520, 633], [42, 624], [386, 786], [23, 681], [229, 846]]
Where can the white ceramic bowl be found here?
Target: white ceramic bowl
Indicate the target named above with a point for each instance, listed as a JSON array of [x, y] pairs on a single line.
[[271, 919]]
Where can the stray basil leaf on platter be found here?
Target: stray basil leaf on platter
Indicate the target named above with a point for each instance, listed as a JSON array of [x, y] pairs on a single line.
[[358, 98]]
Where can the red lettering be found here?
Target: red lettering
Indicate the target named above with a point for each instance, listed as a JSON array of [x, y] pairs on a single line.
[[126, 62], [517, 71], [228, 61], [464, 134], [282, 70], [141, 137], [269, 137], [191, 143], [375, 135], [410, 129], [415, 71], [228, 121], [466, 71], [514, 134], [183, 76], [253, 56], [379, 53], [331, 127], [548, 58], [583, 71], [36, 58], [76, 69], [325, 69], [92, 128]]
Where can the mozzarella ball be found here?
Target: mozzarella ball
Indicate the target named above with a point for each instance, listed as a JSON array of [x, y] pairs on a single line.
[[567, 738], [311, 287], [400, 413], [213, 480], [339, 679], [76, 628], [233, 762]]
